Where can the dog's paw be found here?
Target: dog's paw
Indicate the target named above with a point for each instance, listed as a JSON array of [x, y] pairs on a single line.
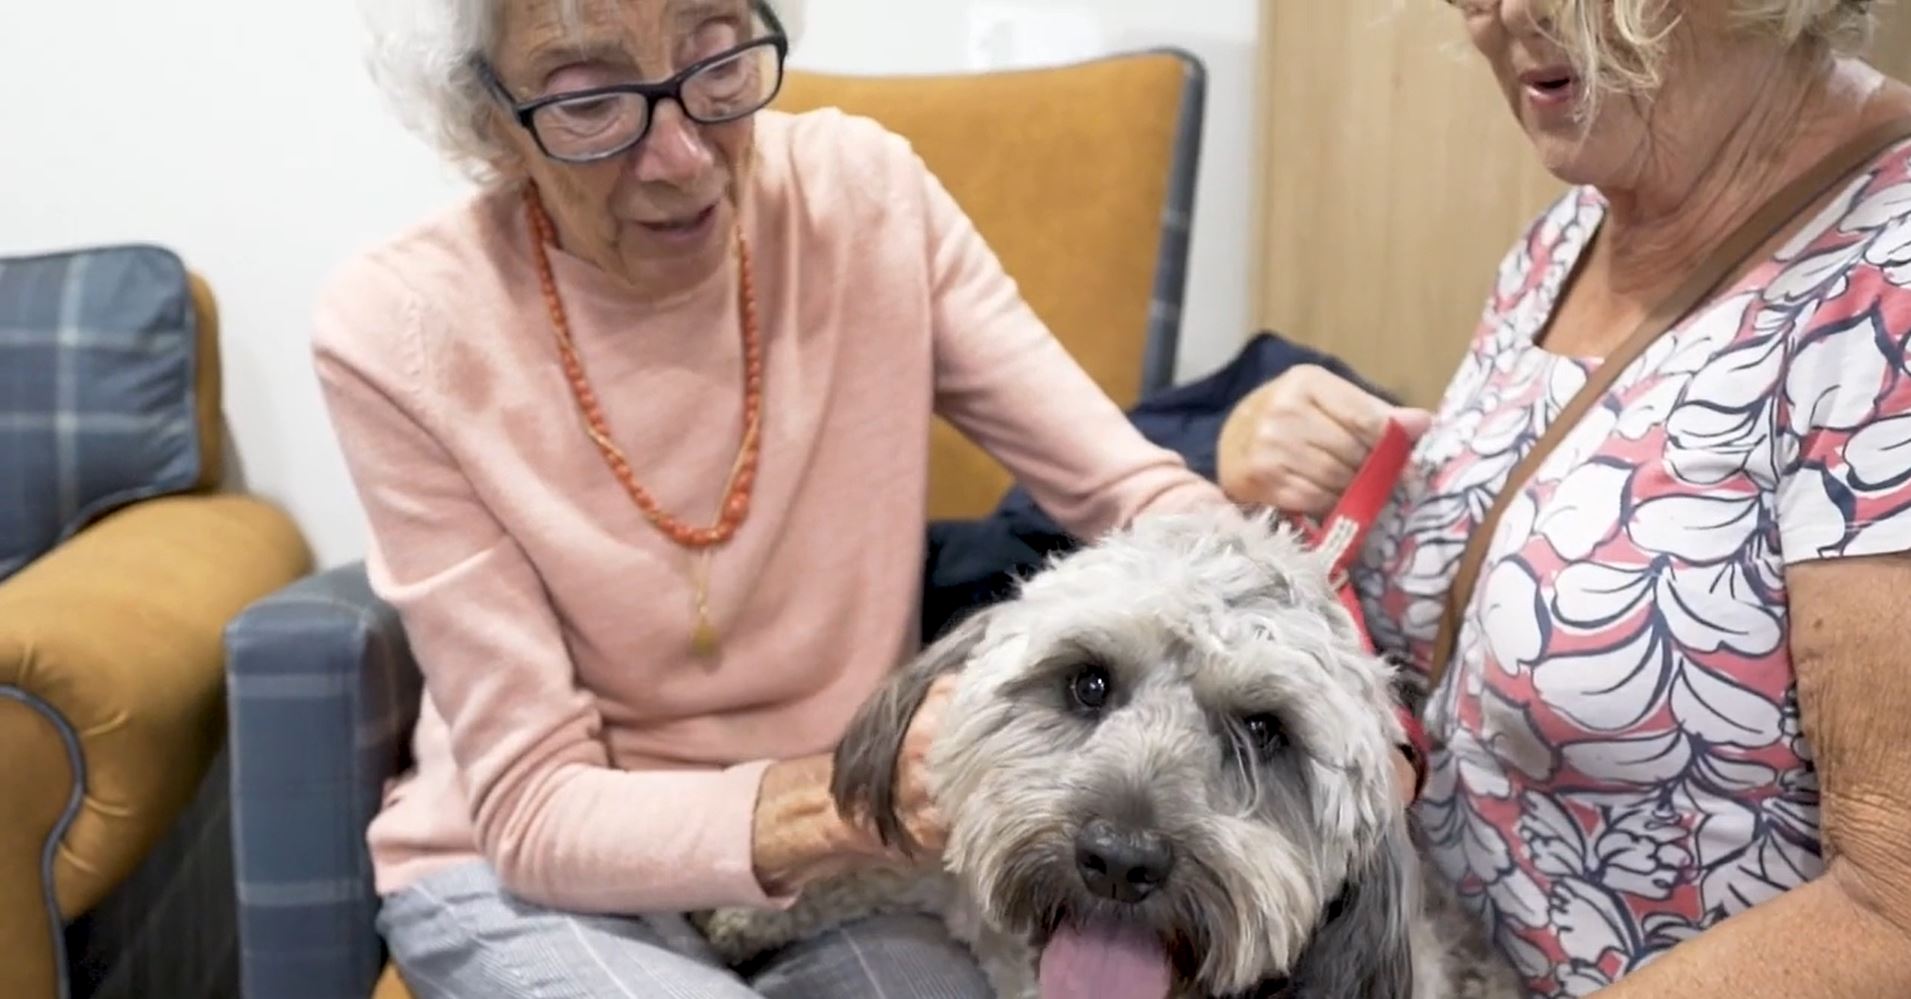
[[741, 935]]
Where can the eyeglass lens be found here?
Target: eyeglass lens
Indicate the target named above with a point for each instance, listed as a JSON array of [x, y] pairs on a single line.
[[599, 124]]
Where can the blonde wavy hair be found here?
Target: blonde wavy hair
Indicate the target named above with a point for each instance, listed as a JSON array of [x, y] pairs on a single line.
[[1619, 46]]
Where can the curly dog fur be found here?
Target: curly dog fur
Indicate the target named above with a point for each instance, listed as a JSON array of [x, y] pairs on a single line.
[[1191, 687]]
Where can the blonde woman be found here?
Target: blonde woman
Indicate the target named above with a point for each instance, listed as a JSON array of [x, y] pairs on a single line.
[[1676, 728]]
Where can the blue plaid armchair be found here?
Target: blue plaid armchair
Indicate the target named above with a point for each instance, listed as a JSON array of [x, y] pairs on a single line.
[[322, 696]]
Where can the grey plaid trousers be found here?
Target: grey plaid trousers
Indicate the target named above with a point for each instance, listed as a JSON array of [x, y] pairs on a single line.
[[456, 934]]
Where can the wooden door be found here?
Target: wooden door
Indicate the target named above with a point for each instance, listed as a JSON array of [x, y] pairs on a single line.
[[1394, 179], [1891, 49]]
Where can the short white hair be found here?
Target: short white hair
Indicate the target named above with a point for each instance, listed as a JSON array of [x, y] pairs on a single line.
[[423, 55]]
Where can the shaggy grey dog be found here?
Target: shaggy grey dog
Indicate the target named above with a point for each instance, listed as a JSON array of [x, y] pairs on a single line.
[[1167, 771]]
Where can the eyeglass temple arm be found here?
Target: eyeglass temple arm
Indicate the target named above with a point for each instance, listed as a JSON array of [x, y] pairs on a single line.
[[768, 14]]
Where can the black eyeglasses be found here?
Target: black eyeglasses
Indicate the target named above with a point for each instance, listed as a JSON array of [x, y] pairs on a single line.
[[584, 126]]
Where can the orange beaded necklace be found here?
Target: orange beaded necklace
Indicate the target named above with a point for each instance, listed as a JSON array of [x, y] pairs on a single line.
[[736, 500]]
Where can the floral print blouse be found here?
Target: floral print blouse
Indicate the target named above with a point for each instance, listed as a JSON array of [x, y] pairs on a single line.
[[1621, 761]]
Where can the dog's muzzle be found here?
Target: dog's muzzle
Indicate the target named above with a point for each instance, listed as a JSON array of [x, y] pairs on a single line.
[[1115, 952], [1122, 863]]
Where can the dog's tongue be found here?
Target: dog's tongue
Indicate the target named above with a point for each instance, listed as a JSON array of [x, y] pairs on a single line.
[[1104, 961]]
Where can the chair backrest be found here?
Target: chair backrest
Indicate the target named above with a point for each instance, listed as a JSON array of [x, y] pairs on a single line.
[[1081, 178]]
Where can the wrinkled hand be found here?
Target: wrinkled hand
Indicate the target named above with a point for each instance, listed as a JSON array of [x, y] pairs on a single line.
[[914, 808], [1296, 442]]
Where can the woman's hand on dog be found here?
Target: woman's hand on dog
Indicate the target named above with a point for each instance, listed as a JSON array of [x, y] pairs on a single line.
[[848, 843], [918, 813], [1295, 443], [798, 835]]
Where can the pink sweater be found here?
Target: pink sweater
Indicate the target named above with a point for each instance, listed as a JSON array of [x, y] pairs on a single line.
[[568, 734]]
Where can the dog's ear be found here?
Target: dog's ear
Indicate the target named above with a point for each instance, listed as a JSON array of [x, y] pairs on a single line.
[[864, 778], [1364, 949]]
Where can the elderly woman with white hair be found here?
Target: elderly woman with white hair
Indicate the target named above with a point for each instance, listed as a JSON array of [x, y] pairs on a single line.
[[641, 433], [1674, 715]]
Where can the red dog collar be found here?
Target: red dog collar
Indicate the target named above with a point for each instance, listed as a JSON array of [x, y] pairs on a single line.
[[1340, 537]]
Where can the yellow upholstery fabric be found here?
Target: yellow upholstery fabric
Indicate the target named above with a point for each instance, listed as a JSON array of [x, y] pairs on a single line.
[[119, 631], [390, 986], [1065, 172], [34, 784]]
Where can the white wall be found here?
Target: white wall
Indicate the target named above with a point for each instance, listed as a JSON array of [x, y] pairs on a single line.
[[245, 136]]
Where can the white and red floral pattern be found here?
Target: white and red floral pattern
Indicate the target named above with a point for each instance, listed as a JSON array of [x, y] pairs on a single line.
[[1621, 763]]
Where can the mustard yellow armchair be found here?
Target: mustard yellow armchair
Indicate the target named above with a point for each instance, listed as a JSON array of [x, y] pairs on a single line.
[[1081, 177], [120, 563]]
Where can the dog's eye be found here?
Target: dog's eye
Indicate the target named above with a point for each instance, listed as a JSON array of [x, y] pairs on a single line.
[[1264, 733], [1088, 687]]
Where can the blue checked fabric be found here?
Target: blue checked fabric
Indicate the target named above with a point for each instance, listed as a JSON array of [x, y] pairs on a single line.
[[321, 698], [98, 355], [1177, 223]]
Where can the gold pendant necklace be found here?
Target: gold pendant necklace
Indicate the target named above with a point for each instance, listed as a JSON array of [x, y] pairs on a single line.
[[703, 641]]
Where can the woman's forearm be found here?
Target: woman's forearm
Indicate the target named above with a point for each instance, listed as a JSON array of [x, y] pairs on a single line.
[[1818, 941]]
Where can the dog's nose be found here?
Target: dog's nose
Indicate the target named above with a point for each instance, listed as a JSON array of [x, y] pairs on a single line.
[[1121, 862]]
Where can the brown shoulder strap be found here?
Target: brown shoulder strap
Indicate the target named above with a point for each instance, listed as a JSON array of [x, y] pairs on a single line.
[[1705, 279]]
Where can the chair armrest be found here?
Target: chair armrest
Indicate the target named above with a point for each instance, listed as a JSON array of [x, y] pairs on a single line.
[[323, 698], [111, 686]]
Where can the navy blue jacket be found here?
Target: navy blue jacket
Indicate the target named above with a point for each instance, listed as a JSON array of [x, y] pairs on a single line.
[[971, 563]]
